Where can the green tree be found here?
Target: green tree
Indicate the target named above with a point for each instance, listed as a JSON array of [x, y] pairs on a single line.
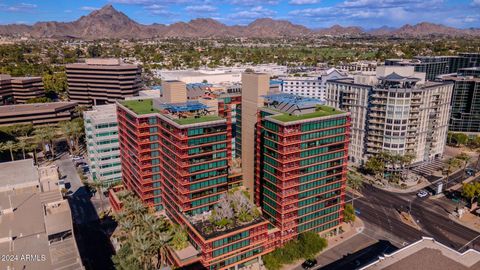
[[10, 146], [375, 165], [349, 213], [471, 191], [355, 182], [23, 144], [463, 157], [451, 165]]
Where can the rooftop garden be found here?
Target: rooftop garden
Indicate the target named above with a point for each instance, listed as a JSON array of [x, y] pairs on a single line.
[[233, 210], [141, 106], [320, 111]]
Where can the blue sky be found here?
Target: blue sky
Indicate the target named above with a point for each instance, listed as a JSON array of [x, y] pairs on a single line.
[[311, 13]]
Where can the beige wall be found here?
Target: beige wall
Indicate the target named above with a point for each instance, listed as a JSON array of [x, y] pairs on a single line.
[[174, 92], [254, 85]]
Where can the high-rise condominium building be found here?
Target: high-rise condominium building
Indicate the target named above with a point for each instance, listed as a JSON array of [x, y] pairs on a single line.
[[465, 116], [311, 86], [177, 156], [18, 90], [102, 81], [433, 66], [101, 132], [301, 164], [395, 111]]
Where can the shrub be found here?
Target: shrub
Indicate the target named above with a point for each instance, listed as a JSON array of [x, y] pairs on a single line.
[[306, 247], [349, 213]]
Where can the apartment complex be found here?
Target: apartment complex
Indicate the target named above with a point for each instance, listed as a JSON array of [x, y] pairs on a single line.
[[36, 222], [301, 164], [36, 113], [102, 81], [18, 90], [178, 156], [395, 111], [433, 66], [311, 86], [101, 133]]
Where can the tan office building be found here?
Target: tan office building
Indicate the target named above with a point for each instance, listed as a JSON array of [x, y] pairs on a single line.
[[36, 113], [254, 86], [19, 90], [102, 81]]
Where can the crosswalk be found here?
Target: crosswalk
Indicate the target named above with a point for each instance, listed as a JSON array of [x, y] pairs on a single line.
[[427, 168]]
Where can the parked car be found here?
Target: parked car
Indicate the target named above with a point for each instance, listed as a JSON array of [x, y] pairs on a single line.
[[422, 193], [469, 171], [308, 264]]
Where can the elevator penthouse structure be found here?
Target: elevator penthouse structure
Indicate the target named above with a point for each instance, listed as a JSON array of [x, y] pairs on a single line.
[[177, 157]]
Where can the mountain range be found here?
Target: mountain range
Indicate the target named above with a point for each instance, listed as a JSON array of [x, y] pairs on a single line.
[[108, 22]]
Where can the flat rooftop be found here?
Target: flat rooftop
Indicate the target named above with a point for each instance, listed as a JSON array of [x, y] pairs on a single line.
[[25, 230], [320, 111], [427, 254], [9, 173], [34, 108], [145, 106]]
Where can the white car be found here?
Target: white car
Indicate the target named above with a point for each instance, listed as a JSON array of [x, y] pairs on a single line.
[[422, 194]]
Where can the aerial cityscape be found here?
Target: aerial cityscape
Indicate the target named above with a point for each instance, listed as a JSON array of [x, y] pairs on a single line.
[[240, 135]]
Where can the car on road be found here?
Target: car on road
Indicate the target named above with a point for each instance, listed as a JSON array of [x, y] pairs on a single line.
[[422, 194], [308, 264]]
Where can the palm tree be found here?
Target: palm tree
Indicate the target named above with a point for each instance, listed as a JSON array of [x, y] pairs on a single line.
[[465, 158], [41, 137], [9, 146], [66, 129], [23, 144], [78, 130], [50, 136], [98, 187]]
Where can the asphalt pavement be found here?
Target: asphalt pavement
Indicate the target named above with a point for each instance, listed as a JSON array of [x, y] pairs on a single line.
[[93, 243]]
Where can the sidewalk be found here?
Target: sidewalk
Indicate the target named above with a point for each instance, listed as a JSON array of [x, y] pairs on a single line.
[[349, 231], [415, 188], [468, 220]]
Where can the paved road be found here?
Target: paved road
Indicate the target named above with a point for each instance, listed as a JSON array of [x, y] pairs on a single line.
[[94, 245], [380, 208]]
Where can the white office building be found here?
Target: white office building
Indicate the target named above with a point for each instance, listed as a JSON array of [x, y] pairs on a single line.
[[312, 86], [101, 132]]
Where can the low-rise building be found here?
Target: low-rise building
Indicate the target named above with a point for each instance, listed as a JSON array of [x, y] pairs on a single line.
[[19, 90], [36, 113], [427, 254], [101, 132], [312, 86], [36, 230]]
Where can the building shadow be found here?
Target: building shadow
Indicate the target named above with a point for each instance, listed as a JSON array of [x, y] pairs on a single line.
[[92, 238], [362, 257]]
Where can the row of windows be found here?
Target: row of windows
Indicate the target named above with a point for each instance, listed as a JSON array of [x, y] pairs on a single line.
[[315, 207], [319, 214], [315, 199], [208, 183], [270, 161], [204, 130], [198, 150], [319, 190], [320, 134], [270, 125], [318, 222], [211, 165], [322, 228], [103, 134], [319, 167], [231, 248], [206, 175], [270, 202], [323, 141], [110, 165], [211, 139], [205, 200], [323, 124], [237, 258], [319, 183], [230, 239], [107, 125], [318, 159], [107, 141]]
